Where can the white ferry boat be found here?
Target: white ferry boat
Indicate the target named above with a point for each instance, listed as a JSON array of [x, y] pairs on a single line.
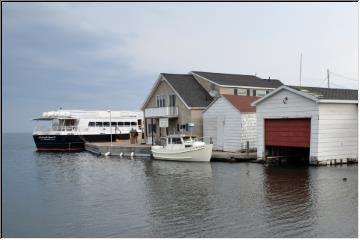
[[68, 130]]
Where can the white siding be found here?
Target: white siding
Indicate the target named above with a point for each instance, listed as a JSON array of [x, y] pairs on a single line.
[[296, 107], [338, 131], [235, 126], [248, 130]]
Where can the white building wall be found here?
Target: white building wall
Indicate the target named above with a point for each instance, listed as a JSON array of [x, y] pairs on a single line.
[[248, 130], [231, 124], [338, 131], [296, 107]]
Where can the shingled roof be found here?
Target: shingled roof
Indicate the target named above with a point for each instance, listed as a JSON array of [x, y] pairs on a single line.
[[242, 103], [239, 80], [329, 93], [189, 89]]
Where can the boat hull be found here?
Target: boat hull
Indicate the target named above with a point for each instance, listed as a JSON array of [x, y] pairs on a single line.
[[71, 142], [193, 154]]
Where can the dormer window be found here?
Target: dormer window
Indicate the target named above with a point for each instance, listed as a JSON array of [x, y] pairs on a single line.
[[241, 92]]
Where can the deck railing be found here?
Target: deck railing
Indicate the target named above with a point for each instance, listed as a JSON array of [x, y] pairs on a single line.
[[161, 112]]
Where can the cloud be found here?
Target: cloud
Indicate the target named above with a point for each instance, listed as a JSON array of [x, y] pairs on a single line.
[[96, 55]]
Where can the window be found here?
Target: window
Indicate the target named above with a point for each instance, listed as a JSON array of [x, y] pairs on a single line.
[[176, 141], [133, 123], [113, 124], [260, 93], [254, 92], [99, 124], [127, 124], [91, 124], [241, 92], [153, 128], [267, 91], [160, 101], [106, 124], [120, 124], [172, 99]]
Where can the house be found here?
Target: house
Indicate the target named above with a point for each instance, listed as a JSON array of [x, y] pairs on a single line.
[[319, 125], [230, 121], [176, 101], [235, 84]]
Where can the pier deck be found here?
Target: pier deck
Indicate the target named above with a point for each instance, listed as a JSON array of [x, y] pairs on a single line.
[[233, 156], [124, 147]]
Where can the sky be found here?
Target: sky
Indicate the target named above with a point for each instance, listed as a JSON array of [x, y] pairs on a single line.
[[99, 56]]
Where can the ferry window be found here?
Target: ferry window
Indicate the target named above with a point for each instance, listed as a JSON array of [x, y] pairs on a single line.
[[139, 122], [133, 123], [113, 124], [91, 124], [106, 124], [127, 124], [99, 124], [176, 141], [120, 123]]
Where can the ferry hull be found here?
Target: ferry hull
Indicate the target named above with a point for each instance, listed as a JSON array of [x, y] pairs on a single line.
[[71, 142]]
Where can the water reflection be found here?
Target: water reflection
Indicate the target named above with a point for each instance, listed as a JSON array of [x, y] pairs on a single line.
[[289, 201], [178, 194]]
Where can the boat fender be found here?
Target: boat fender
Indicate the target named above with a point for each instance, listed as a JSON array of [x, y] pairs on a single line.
[[107, 154], [121, 154], [132, 154]]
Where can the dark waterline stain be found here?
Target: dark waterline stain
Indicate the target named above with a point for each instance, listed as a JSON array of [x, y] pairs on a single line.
[[82, 195]]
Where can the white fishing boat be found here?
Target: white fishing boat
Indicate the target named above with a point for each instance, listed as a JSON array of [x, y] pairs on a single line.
[[182, 148]]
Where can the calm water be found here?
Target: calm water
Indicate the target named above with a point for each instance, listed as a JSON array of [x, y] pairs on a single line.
[[81, 195]]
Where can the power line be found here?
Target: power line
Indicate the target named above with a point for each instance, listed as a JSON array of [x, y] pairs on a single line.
[[342, 76]]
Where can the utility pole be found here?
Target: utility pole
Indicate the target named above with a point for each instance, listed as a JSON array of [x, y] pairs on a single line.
[[328, 77], [300, 67]]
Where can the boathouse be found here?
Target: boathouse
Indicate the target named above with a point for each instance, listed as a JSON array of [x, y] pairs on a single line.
[[230, 121], [316, 125]]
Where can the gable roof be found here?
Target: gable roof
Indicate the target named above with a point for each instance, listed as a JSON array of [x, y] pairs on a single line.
[[321, 95], [242, 103], [329, 93], [186, 86], [224, 79]]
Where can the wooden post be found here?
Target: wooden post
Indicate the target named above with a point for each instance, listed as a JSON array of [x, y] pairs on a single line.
[[152, 132]]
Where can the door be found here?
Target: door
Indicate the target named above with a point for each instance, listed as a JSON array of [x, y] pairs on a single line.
[[220, 132], [291, 132]]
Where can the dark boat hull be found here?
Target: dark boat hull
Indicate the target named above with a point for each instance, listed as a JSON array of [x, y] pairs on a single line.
[[71, 142]]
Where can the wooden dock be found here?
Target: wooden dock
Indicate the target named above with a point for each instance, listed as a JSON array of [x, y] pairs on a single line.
[[124, 148], [121, 148], [233, 156]]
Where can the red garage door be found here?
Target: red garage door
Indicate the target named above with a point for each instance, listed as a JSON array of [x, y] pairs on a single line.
[[291, 132]]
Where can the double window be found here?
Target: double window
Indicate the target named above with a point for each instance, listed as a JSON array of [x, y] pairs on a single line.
[[160, 101]]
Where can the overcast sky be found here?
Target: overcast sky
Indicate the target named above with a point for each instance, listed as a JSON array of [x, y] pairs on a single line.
[[108, 55]]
